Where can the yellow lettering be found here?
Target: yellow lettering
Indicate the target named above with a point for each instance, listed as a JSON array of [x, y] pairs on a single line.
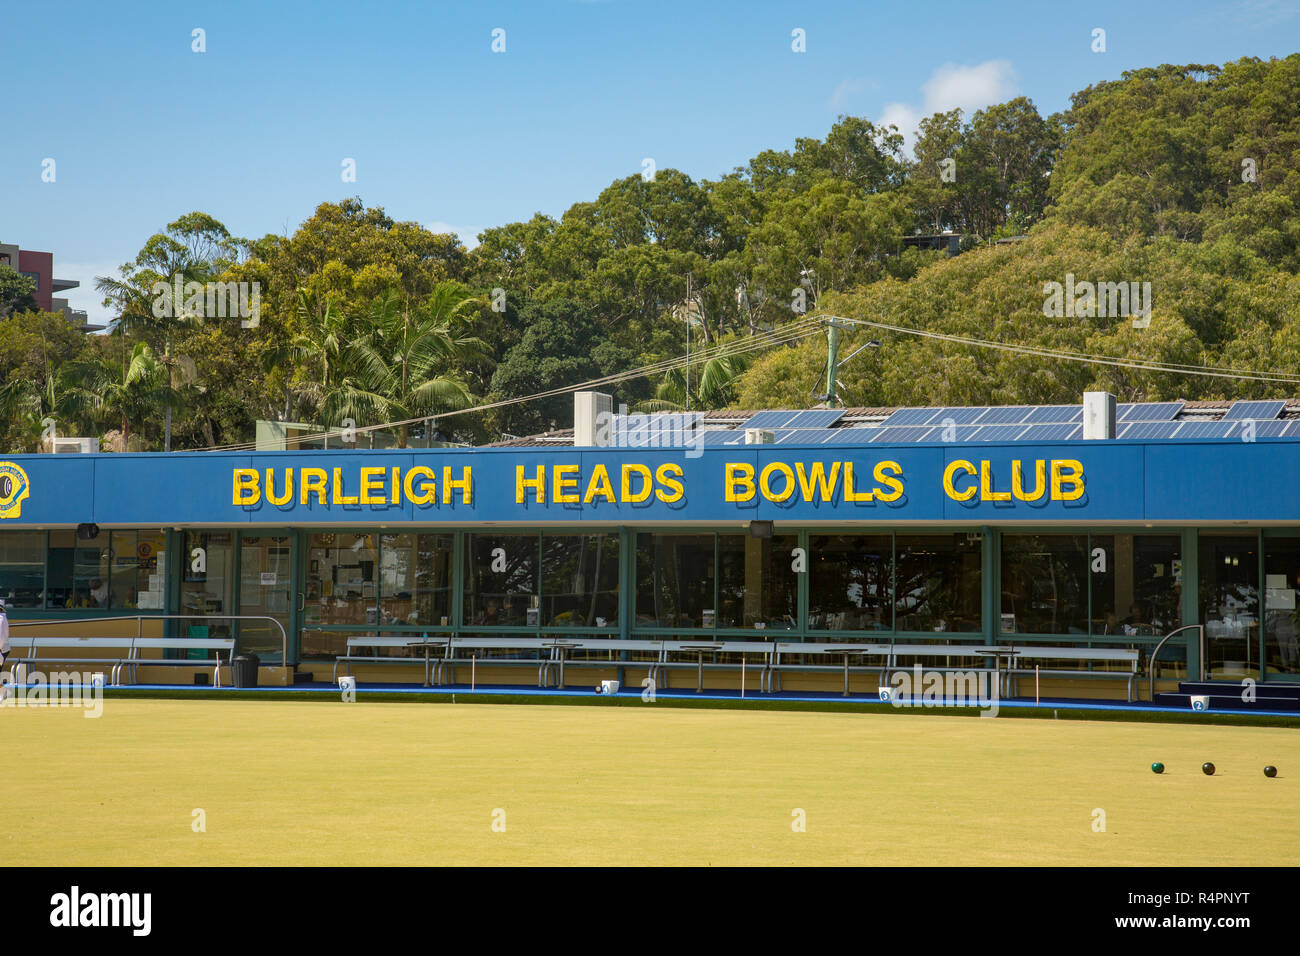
[[818, 478], [599, 485], [465, 485], [395, 486], [1018, 482], [566, 488], [765, 481], [667, 475], [428, 493], [986, 484], [851, 494], [950, 472], [739, 475], [285, 498], [883, 475], [372, 483], [646, 483], [246, 490], [339, 497], [522, 484], [1073, 477], [312, 479]]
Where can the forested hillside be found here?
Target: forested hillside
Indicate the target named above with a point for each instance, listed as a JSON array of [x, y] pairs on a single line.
[[1183, 177]]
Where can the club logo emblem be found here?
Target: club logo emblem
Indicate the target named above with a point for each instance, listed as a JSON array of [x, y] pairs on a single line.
[[14, 487]]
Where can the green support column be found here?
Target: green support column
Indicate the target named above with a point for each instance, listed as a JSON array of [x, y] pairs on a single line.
[[990, 583], [801, 601], [297, 593], [626, 591], [458, 561], [1191, 609], [1262, 612], [175, 574], [626, 581]]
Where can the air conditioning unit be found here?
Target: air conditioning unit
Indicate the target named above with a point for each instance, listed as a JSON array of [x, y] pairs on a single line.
[[759, 436], [75, 446]]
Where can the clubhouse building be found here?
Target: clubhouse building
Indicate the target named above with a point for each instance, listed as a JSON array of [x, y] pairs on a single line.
[[712, 535]]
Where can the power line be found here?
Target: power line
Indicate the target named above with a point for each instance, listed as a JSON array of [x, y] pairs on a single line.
[[1149, 365], [787, 334]]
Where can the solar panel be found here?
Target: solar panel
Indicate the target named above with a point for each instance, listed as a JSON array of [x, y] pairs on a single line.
[[1066, 431], [1008, 415], [958, 416], [1262, 410], [850, 436], [714, 439], [1054, 414], [1149, 412], [1209, 430], [1273, 429], [998, 432], [911, 416], [903, 434], [806, 436], [951, 432], [1149, 430], [770, 419], [816, 418]]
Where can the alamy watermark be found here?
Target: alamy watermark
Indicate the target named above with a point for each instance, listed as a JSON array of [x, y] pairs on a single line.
[[59, 689], [208, 300], [1098, 300], [946, 688], [660, 430]]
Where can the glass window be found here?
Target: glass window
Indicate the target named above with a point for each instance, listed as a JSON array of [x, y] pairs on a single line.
[[937, 585], [850, 584], [265, 590], [22, 568], [1137, 584], [1229, 591], [1281, 624], [137, 575], [434, 558], [1045, 583], [397, 562], [207, 572], [501, 579], [78, 571], [674, 580], [580, 580], [757, 587], [341, 588]]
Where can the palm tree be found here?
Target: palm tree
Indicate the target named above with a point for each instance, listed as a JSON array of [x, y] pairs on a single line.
[[402, 367], [715, 387], [317, 349], [130, 392]]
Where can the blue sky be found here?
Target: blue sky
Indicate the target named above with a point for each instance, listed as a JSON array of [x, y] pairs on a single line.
[[449, 134]]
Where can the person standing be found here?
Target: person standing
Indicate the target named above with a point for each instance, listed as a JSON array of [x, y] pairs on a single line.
[[4, 645]]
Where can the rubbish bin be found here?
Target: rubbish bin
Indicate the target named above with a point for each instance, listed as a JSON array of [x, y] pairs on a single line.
[[245, 670]]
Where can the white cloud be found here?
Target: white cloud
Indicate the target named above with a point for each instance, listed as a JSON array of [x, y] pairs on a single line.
[[968, 88]]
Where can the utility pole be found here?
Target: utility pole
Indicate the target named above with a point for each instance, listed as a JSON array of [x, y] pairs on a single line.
[[833, 363], [832, 358]]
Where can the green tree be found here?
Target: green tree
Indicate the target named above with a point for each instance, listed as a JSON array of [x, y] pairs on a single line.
[[17, 292], [404, 365]]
